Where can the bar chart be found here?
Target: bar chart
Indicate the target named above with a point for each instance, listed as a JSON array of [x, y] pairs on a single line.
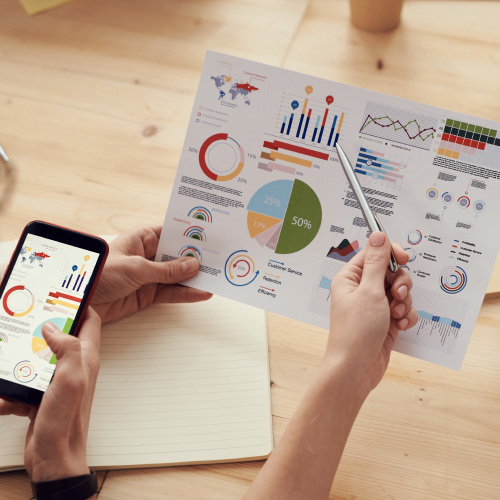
[[328, 120], [383, 166], [439, 320], [74, 275], [289, 159]]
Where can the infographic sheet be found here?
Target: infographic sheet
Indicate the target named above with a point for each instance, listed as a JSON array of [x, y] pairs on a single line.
[[260, 198]]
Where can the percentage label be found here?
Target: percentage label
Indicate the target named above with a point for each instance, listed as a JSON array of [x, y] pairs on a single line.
[[273, 201], [316, 166], [333, 158], [299, 221], [240, 179], [251, 155], [299, 173], [259, 224], [193, 150]]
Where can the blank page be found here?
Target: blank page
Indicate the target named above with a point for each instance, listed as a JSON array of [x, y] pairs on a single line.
[[181, 383]]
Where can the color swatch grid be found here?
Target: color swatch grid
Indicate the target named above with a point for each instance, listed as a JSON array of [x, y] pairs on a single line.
[[470, 143], [298, 123]]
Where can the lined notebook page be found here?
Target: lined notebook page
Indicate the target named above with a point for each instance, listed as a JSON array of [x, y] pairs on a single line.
[[183, 383]]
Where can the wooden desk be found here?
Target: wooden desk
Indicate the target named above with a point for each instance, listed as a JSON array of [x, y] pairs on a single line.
[[94, 103]]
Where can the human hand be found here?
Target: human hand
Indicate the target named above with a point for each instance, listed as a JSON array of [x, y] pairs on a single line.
[[57, 435], [370, 305], [131, 280]]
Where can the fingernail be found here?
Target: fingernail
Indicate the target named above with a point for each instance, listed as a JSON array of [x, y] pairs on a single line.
[[403, 291], [403, 324], [189, 265], [377, 239], [51, 327], [399, 309]]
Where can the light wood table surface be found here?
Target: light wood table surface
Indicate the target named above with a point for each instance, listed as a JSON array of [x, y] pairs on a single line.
[[95, 98]]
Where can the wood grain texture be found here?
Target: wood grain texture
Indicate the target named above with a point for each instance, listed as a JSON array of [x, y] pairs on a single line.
[[95, 98]]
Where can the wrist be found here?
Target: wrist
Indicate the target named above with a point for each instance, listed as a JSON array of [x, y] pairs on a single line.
[[60, 468], [338, 368]]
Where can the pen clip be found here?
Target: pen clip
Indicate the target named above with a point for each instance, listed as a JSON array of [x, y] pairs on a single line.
[[393, 263]]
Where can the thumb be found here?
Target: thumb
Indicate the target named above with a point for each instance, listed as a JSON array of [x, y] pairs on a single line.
[[377, 256], [61, 344], [170, 272]]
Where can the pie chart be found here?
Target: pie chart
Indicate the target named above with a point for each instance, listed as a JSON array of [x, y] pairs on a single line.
[[284, 216], [18, 301], [221, 158]]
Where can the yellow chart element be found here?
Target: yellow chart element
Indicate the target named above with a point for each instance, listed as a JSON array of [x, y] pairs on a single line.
[[62, 303], [340, 123], [19, 315], [38, 344], [305, 106], [292, 159], [258, 223]]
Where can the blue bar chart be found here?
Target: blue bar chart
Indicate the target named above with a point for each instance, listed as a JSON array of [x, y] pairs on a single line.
[[317, 122], [385, 166]]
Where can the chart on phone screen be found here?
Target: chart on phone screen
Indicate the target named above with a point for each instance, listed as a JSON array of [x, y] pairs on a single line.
[[47, 283], [260, 198]]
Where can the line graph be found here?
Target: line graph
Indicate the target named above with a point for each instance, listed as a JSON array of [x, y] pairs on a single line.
[[398, 125]]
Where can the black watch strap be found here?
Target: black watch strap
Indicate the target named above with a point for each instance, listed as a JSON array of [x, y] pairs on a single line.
[[76, 488]]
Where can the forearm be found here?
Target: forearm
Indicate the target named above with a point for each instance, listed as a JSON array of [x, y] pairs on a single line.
[[305, 460]]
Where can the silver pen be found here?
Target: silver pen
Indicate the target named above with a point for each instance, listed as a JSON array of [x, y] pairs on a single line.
[[370, 218], [3, 155]]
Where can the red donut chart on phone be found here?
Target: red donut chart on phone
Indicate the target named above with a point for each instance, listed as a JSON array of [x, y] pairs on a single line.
[[23, 299]]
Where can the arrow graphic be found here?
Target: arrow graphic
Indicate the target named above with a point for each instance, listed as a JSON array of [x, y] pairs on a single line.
[[267, 288], [282, 263]]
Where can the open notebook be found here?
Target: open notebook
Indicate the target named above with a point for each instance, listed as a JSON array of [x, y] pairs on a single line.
[[179, 384]]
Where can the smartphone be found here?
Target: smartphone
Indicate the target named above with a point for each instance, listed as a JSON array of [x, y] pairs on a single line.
[[51, 276]]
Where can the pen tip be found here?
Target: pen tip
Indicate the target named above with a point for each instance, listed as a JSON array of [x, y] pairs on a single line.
[[3, 155]]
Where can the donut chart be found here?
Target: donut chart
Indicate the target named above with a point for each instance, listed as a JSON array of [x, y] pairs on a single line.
[[18, 301], [190, 251], [24, 372], [414, 237], [453, 279], [221, 158], [240, 268]]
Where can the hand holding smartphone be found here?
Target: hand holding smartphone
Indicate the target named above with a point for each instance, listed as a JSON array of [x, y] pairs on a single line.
[[51, 277]]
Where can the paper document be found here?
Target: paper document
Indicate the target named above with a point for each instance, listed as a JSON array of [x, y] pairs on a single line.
[[261, 200]]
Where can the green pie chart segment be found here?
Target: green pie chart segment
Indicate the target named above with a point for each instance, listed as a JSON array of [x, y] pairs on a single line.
[[302, 219], [284, 216]]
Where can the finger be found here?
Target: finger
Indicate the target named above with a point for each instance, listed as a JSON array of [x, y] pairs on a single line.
[[409, 321], [66, 347], [351, 271], [169, 272], [90, 332], [178, 294], [401, 283], [401, 256], [376, 260], [399, 309], [8, 407]]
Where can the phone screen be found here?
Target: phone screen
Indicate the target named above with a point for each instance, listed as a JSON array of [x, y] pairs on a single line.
[[47, 283]]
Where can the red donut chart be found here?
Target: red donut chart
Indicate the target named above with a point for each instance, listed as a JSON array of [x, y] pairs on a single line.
[[14, 289], [205, 163]]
